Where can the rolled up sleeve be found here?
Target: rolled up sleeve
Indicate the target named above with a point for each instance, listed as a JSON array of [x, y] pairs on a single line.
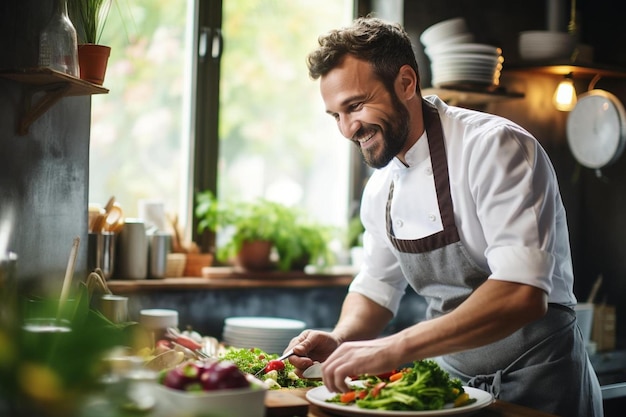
[[524, 265]]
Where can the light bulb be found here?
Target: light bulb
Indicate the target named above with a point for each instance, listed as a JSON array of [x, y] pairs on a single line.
[[565, 95]]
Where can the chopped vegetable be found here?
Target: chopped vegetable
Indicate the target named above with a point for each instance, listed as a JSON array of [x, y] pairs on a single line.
[[425, 386], [274, 365], [347, 397], [255, 360]]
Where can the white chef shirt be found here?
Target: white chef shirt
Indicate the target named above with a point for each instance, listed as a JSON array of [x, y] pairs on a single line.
[[507, 208]]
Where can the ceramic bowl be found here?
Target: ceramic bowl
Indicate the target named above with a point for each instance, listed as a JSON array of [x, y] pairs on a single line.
[[543, 44], [443, 30], [248, 402]]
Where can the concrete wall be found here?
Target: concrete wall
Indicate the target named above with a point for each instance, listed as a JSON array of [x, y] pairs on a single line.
[[43, 174]]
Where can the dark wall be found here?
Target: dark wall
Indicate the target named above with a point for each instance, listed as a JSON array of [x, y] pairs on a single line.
[[43, 174], [596, 206]]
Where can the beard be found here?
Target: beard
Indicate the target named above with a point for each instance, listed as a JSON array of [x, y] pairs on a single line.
[[395, 135]]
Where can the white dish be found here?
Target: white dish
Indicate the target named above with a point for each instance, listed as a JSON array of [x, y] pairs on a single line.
[[249, 402], [256, 323], [452, 48], [545, 44], [468, 66], [460, 39], [442, 30], [467, 59], [319, 395]]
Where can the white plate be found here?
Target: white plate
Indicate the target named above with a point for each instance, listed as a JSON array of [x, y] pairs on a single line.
[[442, 30], [319, 395], [255, 323], [475, 48]]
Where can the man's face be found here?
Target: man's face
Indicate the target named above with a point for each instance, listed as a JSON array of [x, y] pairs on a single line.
[[367, 113]]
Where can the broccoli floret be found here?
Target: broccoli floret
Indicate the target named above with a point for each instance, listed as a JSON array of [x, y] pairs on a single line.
[[393, 401], [425, 386]]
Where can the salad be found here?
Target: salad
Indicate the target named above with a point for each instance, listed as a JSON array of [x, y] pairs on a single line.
[[425, 386], [276, 374]]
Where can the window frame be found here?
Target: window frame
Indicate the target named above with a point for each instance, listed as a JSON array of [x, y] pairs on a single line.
[[206, 101]]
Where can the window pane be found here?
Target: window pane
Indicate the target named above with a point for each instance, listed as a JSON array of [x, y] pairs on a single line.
[[276, 141], [138, 140]]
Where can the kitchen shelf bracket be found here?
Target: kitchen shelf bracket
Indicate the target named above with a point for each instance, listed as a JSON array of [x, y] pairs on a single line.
[[51, 94], [54, 85]]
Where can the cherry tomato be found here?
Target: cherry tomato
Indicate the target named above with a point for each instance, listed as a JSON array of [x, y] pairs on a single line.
[[274, 366], [386, 375], [347, 397], [376, 390]]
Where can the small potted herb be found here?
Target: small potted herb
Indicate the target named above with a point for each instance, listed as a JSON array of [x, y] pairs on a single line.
[[89, 18], [248, 226]]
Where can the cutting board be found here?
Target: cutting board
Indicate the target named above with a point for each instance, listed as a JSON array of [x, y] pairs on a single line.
[[286, 403]]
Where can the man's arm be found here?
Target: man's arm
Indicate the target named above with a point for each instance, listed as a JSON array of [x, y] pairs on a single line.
[[361, 318], [495, 310]]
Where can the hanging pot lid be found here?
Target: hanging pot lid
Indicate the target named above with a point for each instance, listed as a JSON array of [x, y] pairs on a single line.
[[596, 129]]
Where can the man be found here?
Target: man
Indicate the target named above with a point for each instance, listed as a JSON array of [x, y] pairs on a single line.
[[465, 207]]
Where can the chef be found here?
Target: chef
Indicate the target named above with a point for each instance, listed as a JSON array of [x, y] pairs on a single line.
[[465, 208]]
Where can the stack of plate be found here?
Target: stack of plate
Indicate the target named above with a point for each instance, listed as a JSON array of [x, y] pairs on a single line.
[[455, 58], [270, 334]]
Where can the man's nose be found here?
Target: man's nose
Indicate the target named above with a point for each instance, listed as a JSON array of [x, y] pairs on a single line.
[[348, 126]]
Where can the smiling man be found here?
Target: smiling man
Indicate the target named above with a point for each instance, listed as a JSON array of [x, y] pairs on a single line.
[[464, 206]]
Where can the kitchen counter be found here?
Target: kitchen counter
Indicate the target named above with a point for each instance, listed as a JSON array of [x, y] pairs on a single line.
[[292, 403], [497, 409]]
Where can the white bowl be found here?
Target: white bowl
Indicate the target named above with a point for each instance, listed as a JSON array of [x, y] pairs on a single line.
[[441, 31], [543, 44], [248, 402], [455, 48]]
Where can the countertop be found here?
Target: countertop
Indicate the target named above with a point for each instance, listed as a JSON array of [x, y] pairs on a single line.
[[497, 409]]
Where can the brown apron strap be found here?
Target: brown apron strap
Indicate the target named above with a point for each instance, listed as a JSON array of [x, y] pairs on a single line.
[[439, 162]]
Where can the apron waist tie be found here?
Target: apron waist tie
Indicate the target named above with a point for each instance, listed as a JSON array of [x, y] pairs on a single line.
[[489, 383]]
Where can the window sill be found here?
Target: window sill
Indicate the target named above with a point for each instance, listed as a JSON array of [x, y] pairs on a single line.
[[228, 278]]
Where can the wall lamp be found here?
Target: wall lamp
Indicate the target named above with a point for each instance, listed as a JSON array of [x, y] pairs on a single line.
[[565, 95]]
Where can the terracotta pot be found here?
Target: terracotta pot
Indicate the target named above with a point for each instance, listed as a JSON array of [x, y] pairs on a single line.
[[93, 60], [195, 262], [255, 256]]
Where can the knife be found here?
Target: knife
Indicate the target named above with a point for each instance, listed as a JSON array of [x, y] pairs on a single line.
[[313, 372]]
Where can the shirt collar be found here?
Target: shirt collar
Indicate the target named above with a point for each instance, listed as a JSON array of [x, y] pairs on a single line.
[[419, 152]]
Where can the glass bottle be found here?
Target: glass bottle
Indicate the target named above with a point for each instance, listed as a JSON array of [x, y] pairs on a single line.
[[58, 46]]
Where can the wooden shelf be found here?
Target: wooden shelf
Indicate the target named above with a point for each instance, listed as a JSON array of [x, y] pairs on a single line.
[[466, 95], [228, 278], [564, 68], [53, 84]]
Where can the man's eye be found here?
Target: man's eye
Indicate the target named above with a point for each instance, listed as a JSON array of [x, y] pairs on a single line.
[[356, 106]]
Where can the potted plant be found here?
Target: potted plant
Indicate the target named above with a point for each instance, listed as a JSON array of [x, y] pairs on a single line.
[[89, 18], [301, 241], [260, 227]]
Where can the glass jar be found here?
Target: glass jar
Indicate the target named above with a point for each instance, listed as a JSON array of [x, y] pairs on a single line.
[[58, 46]]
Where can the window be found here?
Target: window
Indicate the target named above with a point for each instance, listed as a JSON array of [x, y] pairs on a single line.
[[138, 144], [275, 139]]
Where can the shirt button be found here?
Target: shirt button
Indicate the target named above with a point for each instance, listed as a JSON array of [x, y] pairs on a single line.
[[399, 223], [396, 176], [429, 171], [432, 217]]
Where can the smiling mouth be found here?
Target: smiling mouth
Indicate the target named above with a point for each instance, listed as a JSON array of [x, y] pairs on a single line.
[[364, 138]]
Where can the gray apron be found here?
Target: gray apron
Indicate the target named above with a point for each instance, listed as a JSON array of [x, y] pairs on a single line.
[[543, 365]]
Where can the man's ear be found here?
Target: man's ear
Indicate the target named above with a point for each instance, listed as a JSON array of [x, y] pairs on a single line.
[[407, 81]]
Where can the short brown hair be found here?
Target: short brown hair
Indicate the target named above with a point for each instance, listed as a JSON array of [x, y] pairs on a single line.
[[386, 46]]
